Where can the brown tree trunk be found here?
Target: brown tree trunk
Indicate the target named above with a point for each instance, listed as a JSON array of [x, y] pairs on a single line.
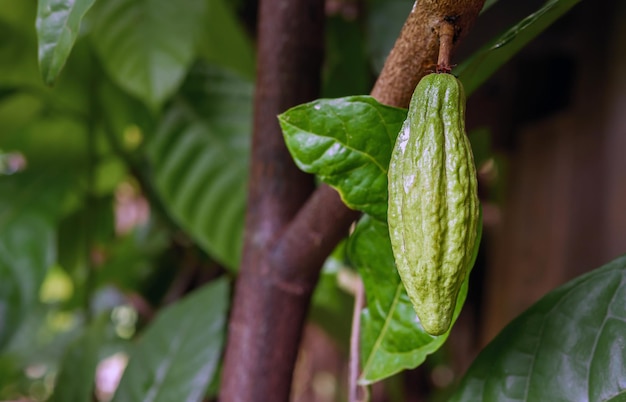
[[268, 310]]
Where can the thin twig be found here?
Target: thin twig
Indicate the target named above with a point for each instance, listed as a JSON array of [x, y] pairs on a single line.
[[355, 356]]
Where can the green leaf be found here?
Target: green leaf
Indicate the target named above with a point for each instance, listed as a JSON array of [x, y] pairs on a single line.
[[199, 156], [147, 45], [76, 377], [29, 206], [569, 346], [480, 66], [392, 338], [225, 42], [178, 355], [347, 143], [58, 25]]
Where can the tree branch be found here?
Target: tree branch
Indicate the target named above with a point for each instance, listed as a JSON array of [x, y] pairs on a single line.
[[309, 239]]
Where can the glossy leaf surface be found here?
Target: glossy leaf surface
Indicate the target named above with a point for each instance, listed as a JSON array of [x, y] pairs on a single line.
[[58, 25], [178, 354], [347, 143], [569, 346]]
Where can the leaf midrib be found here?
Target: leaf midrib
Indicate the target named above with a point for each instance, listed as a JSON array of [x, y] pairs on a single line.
[[386, 325]]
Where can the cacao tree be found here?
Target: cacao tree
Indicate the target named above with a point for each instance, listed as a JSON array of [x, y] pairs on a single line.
[[185, 186]]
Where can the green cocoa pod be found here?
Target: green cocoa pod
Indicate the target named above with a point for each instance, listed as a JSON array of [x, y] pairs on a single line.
[[433, 201]]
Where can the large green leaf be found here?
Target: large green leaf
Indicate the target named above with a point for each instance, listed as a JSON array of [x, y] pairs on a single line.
[[199, 156], [29, 207], [58, 25], [480, 66], [569, 346], [347, 143], [225, 42], [392, 338], [147, 45], [178, 355]]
